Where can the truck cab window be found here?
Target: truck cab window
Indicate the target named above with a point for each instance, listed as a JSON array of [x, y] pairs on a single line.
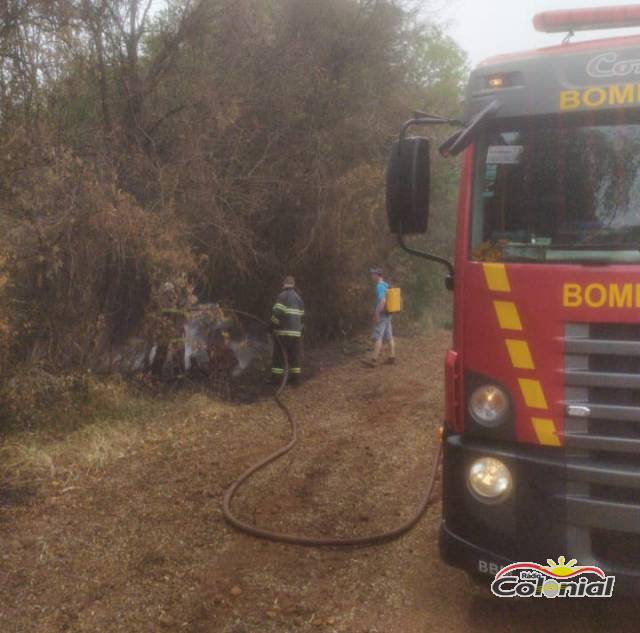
[[557, 193]]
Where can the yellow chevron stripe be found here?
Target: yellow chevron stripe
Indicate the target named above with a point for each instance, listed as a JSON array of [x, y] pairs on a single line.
[[507, 314], [546, 431], [532, 393], [496, 276], [520, 354]]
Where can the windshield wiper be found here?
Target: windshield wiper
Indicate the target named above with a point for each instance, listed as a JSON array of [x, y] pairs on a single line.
[[600, 248], [594, 256]]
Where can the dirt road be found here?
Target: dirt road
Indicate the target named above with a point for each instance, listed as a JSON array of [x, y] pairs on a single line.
[[140, 545]]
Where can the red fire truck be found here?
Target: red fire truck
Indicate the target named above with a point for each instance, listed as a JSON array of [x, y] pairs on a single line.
[[542, 426]]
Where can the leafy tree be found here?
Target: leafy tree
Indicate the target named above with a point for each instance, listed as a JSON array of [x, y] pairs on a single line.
[[226, 142]]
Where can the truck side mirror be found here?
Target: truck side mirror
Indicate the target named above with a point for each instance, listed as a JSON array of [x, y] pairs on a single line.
[[408, 186]]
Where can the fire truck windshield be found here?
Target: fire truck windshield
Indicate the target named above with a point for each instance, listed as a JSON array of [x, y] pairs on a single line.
[[553, 192]]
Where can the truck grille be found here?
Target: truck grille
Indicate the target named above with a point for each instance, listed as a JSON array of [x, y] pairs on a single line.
[[602, 375]]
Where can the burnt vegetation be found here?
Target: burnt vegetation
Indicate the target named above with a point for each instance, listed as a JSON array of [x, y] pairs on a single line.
[[213, 145]]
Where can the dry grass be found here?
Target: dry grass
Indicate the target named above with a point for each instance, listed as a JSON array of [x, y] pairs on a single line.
[[87, 450], [116, 422], [139, 545]]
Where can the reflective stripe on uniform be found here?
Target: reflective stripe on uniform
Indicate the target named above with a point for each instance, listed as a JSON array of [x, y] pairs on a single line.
[[277, 370], [288, 333], [295, 370], [279, 307]]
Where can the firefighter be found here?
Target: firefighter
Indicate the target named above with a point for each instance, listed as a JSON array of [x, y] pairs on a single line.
[[287, 323]]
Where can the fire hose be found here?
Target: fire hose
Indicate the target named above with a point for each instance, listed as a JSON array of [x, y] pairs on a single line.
[[313, 541]]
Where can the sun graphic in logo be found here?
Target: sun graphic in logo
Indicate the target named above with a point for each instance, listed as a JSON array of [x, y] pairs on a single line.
[[561, 568]]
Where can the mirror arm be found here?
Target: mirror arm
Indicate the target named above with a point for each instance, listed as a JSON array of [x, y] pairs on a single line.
[[427, 119], [450, 281], [455, 144]]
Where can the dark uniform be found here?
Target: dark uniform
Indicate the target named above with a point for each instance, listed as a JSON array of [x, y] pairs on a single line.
[[287, 320]]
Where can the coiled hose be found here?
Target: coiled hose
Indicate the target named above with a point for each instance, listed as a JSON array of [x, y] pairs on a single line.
[[313, 541]]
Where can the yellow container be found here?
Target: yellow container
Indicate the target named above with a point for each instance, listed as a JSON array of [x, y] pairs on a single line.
[[394, 300]]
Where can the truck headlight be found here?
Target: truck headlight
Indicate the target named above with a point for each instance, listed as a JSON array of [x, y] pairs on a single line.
[[490, 480], [489, 405]]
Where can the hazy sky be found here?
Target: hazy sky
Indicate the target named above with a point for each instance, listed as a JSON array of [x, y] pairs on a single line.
[[489, 27]]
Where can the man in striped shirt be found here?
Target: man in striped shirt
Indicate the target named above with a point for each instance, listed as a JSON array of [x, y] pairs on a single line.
[[287, 321]]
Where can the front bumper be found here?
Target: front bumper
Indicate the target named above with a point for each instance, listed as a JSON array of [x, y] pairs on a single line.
[[562, 505]]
